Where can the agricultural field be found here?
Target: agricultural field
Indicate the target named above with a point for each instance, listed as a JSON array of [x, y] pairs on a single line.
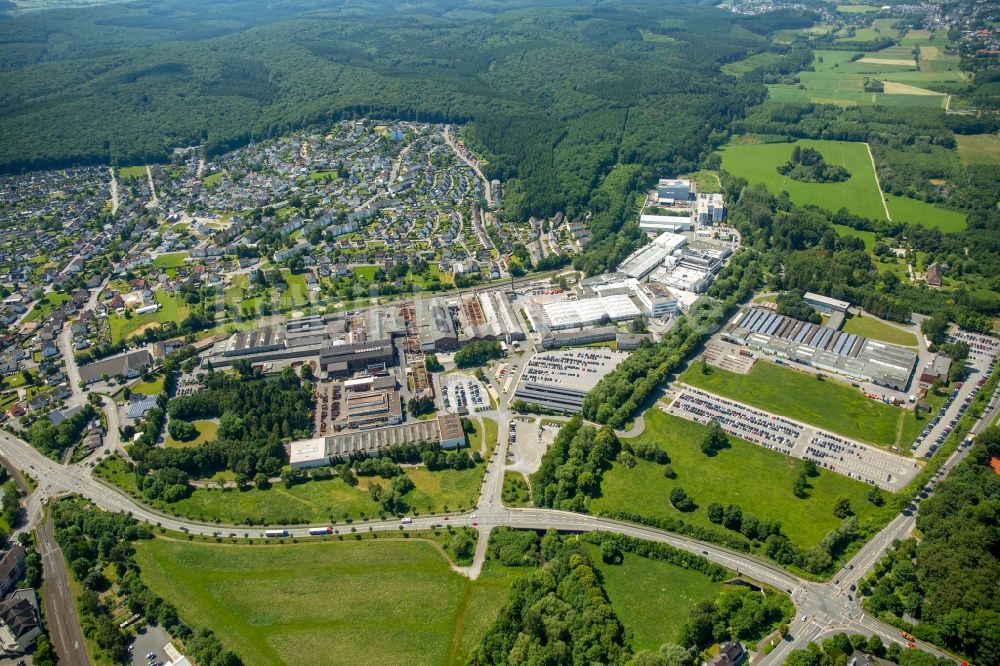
[[859, 193], [904, 209], [878, 330], [207, 431], [652, 597], [330, 598], [827, 404], [757, 479], [838, 80], [979, 148]]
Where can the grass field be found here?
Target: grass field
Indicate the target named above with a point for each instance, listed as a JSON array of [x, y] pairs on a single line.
[[207, 431], [873, 328], [172, 308], [653, 598], [859, 193], [213, 178], [741, 67], [315, 501], [332, 602], [867, 236], [131, 172], [170, 260], [707, 181], [826, 404], [366, 272], [979, 148], [153, 387], [837, 79], [904, 209], [757, 479], [46, 305]]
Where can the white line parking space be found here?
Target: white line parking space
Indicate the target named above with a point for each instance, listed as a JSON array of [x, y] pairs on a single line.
[[838, 454], [464, 394]]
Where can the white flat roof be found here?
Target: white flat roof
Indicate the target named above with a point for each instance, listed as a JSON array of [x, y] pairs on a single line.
[[307, 450]]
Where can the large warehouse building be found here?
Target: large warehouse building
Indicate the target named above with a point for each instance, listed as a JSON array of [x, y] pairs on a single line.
[[824, 348]]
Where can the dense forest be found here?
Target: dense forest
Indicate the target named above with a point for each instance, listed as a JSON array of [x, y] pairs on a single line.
[[946, 581], [553, 94]]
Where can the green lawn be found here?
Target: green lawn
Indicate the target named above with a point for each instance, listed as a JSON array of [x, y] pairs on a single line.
[[131, 172], [979, 148], [871, 327], [867, 236], [653, 598], [213, 178], [326, 500], [207, 431], [170, 260], [153, 387], [390, 599], [172, 308], [904, 209], [366, 272], [758, 163], [46, 306], [757, 479], [827, 404]]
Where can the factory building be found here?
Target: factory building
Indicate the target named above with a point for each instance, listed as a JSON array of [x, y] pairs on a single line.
[[434, 325], [648, 258], [674, 189], [711, 209], [590, 336], [487, 315], [342, 358], [446, 431], [825, 303], [656, 300], [588, 312], [824, 348], [665, 223]]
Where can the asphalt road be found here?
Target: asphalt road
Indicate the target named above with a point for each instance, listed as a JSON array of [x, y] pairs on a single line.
[[64, 625], [825, 606]]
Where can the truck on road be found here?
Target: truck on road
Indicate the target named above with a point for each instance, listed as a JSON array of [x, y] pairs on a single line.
[[319, 531], [275, 533]]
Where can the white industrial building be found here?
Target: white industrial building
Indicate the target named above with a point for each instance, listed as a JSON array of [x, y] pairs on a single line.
[[711, 208], [646, 259], [656, 300], [589, 311], [662, 223]]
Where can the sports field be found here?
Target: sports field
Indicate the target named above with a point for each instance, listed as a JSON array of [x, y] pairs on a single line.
[[871, 327], [757, 479], [979, 148], [172, 308], [826, 404], [386, 601], [759, 163], [905, 209], [653, 598]]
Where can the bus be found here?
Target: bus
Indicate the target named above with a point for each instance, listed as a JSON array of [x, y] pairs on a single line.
[[275, 533], [319, 531]]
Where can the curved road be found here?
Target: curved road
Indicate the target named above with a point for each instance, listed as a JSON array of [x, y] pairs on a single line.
[[820, 607]]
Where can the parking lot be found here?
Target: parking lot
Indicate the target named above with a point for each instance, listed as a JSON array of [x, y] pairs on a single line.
[[464, 394], [149, 640], [528, 442], [983, 352], [838, 454]]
